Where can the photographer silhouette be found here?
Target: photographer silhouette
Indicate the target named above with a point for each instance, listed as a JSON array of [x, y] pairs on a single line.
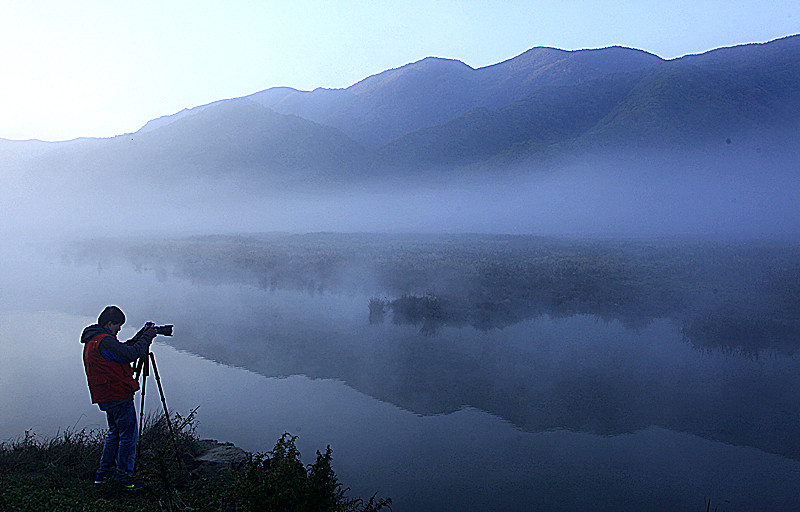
[[110, 377]]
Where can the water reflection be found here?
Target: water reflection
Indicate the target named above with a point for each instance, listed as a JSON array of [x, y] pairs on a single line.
[[580, 374], [467, 460], [748, 328], [411, 403]]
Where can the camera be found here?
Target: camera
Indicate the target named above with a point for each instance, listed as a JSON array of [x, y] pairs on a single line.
[[163, 330]]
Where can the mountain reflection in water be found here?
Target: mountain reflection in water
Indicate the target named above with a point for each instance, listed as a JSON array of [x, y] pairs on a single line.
[[590, 336], [626, 341]]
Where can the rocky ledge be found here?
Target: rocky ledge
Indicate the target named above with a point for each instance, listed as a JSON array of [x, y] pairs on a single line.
[[215, 456]]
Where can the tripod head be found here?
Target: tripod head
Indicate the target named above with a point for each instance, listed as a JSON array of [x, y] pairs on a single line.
[[142, 366]]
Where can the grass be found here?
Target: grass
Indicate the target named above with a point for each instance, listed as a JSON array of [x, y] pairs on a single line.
[[57, 474]]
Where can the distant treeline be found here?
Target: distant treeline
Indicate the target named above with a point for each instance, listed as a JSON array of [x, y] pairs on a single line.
[[730, 295]]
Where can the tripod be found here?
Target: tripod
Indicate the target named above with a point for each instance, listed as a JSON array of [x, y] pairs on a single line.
[[143, 368]]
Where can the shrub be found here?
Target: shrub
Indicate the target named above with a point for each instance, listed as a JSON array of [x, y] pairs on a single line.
[[277, 481]]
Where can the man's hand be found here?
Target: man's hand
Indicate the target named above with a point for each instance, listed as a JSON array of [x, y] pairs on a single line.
[[147, 332]]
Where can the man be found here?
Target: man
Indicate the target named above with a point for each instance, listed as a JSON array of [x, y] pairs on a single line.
[[112, 386]]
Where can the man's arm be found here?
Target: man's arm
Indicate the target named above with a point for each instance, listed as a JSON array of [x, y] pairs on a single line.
[[133, 349]]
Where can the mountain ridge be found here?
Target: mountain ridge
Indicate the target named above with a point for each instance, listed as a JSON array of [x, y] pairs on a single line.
[[679, 102], [444, 113], [431, 91]]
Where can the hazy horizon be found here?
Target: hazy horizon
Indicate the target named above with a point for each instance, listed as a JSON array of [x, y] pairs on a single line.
[[647, 197]]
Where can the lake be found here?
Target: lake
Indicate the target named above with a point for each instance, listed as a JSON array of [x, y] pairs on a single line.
[[552, 406]]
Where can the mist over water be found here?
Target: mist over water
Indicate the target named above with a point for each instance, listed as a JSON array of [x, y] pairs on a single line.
[[618, 315], [532, 405], [613, 307]]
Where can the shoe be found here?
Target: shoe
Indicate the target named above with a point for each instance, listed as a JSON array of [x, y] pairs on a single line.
[[101, 478], [134, 486], [130, 484]]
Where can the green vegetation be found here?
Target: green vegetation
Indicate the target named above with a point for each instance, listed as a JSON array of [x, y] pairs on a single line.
[[56, 475], [278, 481]]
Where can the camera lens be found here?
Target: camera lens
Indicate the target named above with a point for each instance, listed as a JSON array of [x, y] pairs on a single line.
[[164, 330]]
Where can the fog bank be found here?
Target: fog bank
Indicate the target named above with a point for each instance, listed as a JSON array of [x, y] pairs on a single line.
[[740, 195]]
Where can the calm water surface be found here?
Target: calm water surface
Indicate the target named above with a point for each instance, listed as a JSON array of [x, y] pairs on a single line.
[[548, 414]]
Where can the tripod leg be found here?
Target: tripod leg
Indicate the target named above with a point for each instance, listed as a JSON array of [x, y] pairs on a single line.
[[141, 406], [166, 411]]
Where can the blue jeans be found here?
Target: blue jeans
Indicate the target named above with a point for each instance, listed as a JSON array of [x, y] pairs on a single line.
[[119, 449]]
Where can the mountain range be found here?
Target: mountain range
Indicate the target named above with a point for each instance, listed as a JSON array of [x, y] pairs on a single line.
[[728, 108], [442, 112]]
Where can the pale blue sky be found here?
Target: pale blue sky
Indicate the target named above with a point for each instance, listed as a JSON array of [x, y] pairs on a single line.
[[105, 67]]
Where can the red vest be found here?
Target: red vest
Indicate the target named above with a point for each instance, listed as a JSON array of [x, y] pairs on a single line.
[[108, 380]]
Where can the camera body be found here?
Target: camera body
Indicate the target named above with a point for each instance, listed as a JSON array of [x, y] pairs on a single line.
[[163, 330]]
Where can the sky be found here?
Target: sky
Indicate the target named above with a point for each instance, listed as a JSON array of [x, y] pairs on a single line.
[[99, 68]]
